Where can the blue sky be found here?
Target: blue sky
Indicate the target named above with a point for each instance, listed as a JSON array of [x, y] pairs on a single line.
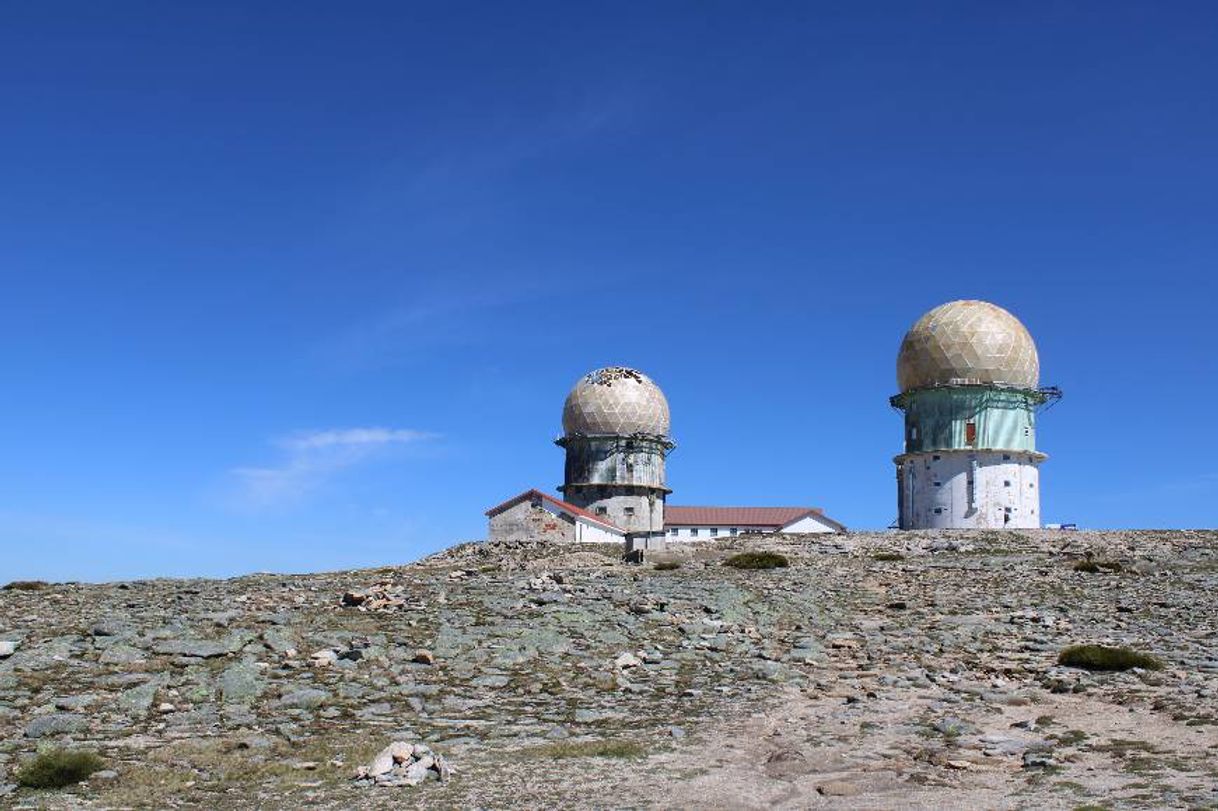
[[299, 286]]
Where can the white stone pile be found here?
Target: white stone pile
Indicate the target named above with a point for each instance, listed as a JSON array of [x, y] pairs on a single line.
[[404, 764]]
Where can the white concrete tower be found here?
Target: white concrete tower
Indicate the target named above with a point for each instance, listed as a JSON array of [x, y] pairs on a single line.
[[968, 373], [615, 433]]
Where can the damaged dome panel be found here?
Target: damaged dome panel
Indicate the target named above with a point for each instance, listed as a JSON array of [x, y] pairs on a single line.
[[616, 400]]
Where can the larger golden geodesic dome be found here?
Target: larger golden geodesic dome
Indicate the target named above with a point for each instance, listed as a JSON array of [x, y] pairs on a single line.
[[615, 400], [967, 342]]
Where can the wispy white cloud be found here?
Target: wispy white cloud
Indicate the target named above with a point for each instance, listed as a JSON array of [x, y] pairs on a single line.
[[351, 437], [312, 458]]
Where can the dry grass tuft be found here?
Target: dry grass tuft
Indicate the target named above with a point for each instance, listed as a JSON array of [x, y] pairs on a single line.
[[58, 768], [27, 585], [757, 560], [607, 748], [1104, 658]]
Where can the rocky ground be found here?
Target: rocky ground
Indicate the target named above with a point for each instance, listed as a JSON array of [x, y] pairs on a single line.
[[888, 670]]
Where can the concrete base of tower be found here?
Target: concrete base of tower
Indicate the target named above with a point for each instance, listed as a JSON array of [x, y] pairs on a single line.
[[633, 509], [966, 489], [646, 543]]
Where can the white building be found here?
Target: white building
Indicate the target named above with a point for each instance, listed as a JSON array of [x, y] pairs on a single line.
[[708, 523]]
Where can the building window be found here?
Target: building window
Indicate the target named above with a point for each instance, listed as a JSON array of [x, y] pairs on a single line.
[[936, 457], [732, 531], [602, 510], [938, 511], [1006, 483], [673, 532], [714, 531], [970, 433], [1006, 457], [628, 510], [693, 532], [938, 484]]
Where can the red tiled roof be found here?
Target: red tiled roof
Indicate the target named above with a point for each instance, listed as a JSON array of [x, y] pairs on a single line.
[[735, 516], [562, 505]]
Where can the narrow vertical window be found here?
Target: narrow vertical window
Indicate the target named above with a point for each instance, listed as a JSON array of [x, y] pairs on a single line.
[[970, 433]]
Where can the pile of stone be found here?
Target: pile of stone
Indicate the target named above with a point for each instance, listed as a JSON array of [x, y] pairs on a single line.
[[383, 597], [404, 764]]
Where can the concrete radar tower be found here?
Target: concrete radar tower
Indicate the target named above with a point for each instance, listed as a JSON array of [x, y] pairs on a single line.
[[968, 373], [615, 433]]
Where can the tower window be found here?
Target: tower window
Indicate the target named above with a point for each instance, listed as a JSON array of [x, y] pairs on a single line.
[[1006, 483]]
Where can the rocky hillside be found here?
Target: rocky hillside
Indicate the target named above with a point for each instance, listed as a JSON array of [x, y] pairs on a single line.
[[911, 670]]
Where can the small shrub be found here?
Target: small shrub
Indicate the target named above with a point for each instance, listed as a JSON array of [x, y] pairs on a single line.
[[757, 560], [667, 565], [27, 585], [58, 768], [1102, 657], [888, 556], [1096, 566]]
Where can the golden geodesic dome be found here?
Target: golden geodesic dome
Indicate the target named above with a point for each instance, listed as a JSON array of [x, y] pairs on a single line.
[[615, 400], [967, 342]]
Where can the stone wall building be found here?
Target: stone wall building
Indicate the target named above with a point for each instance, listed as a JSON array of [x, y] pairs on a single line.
[[533, 515]]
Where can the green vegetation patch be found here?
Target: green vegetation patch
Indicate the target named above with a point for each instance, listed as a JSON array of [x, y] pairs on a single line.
[[58, 768], [1104, 658], [27, 585], [757, 560], [607, 748], [1071, 737]]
